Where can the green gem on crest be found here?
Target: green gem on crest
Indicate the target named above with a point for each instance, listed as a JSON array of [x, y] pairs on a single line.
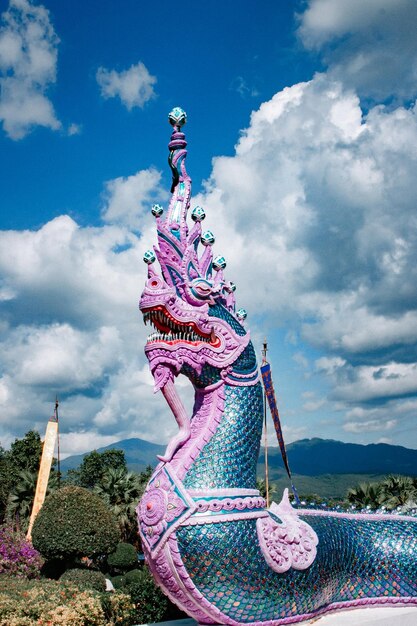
[[177, 117]]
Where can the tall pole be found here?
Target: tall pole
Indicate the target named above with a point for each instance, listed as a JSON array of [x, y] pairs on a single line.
[[44, 469], [264, 361], [57, 435]]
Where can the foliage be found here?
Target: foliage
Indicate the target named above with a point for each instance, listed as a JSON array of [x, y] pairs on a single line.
[[17, 556], [94, 465], [118, 581], [123, 558], [150, 603], [25, 453], [391, 492], [365, 495], [85, 578], [30, 603], [18, 474], [22, 494], [118, 609], [121, 491], [261, 487], [145, 476], [398, 491], [134, 575], [74, 522], [4, 481]]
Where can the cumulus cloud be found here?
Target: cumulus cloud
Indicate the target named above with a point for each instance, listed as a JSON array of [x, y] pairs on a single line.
[[315, 213], [371, 46], [126, 197], [369, 427], [134, 87], [323, 198], [28, 60], [71, 327]]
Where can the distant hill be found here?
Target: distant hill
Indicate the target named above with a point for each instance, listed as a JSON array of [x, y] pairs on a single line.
[[314, 457], [323, 466], [138, 453]]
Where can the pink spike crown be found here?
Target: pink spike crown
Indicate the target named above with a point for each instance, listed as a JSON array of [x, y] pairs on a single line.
[[177, 300]]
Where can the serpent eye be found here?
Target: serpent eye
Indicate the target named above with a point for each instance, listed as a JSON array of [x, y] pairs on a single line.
[[201, 288]]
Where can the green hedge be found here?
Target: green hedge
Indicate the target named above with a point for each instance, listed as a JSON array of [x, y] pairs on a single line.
[[85, 578], [151, 604], [123, 558], [74, 523]]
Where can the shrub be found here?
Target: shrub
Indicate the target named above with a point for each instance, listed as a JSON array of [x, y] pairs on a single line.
[[123, 558], [17, 556], [73, 523], [150, 603], [85, 578], [135, 575], [30, 603], [118, 581], [47, 602]]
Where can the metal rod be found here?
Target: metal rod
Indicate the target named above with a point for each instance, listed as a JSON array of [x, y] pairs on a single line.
[[58, 450], [264, 352]]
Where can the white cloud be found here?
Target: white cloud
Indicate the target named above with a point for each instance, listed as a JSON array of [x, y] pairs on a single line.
[[28, 60], [125, 198], [322, 199], [74, 129], [71, 327], [371, 46], [134, 87], [313, 405], [301, 360], [369, 427]]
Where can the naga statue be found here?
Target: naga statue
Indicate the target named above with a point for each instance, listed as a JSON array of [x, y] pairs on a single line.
[[211, 544]]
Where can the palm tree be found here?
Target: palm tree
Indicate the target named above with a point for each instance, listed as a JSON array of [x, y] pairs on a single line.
[[365, 495], [261, 487], [398, 491], [121, 491], [22, 494]]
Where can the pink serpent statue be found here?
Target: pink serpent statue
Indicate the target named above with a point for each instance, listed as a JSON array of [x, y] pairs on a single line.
[[211, 544]]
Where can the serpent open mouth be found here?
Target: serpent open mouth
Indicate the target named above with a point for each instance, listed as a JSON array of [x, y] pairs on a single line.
[[170, 330]]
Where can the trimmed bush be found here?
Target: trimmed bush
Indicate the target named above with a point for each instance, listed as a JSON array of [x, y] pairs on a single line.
[[85, 578], [123, 558], [73, 523], [134, 576], [17, 556], [118, 581]]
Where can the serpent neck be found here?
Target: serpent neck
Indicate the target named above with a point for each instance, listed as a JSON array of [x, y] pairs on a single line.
[[228, 460]]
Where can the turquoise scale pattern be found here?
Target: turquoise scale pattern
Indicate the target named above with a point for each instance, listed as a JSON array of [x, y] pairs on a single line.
[[229, 459], [356, 559], [217, 310], [209, 375]]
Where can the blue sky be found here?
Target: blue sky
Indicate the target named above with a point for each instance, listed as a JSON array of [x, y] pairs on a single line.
[[302, 134]]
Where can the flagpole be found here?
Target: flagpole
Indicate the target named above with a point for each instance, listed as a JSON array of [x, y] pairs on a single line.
[[58, 450], [264, 361]]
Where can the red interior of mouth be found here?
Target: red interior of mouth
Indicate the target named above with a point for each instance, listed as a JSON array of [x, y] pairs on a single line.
[[179, 326]]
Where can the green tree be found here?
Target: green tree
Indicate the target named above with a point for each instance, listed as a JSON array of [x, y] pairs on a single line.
[[397, 491], [4, 482], [94, 465], [121, 491], [74, 523], [261, 487], [365, 494], [25, 454], [19, 468], [21, 496]]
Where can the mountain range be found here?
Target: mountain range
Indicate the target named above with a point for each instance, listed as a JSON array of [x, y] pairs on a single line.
[[321, 466]]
